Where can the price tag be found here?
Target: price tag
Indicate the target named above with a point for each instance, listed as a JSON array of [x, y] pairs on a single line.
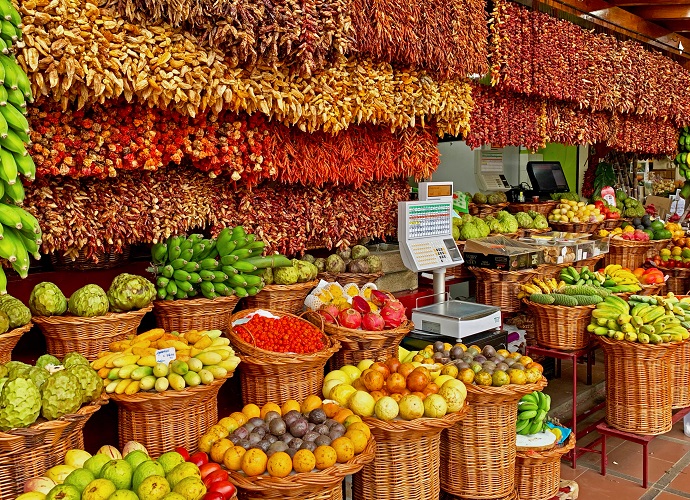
[[165, 355]]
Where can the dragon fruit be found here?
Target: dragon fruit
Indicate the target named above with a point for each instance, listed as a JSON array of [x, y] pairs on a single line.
[[330, 313], [379, 298], [393, 314], [349, 318], [360, 305], [372, 322]]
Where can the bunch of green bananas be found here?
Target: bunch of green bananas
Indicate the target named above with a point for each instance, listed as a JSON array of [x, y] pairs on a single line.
[[228, 265], [20, 234], [532, 411]]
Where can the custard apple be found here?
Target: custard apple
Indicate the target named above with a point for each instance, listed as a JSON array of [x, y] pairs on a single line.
[[89, 301], [62, 395], [47, 300], [17, 369], [74, 358], [3, 371], [17, 312], [129, 291], [91, 384], [47, 359], [20, 403], [4, 322], [38, 376], [3, 381]]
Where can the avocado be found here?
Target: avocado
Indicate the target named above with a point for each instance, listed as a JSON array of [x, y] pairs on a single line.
[[646, 221], [637, 222]]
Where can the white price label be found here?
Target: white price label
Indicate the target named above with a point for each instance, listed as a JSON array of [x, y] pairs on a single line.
[[165, 355]]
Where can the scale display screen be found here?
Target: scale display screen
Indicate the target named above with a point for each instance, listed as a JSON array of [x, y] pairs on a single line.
[[437, 190], [429, 219]]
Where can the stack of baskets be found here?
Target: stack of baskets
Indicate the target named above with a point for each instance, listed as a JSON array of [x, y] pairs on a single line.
[[194, 314], [9, 339], [473, 466], [571, 332], [275, 377], [538, 473], [630, 254], [288, 298], [407, 460], [88, 336], [500, 288]]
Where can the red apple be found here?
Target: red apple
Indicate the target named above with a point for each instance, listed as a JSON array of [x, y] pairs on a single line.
[[225, 488], [215, 476], [199, 458], [213, 495], [206, 469], [183, 451]]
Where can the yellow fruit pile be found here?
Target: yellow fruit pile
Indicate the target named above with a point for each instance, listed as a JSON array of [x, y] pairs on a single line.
[[575, 211], [345, 433], [130, 366]]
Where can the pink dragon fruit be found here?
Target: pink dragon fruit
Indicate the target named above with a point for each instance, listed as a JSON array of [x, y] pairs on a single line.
[[349, 318], [393, 314], [373, 322]]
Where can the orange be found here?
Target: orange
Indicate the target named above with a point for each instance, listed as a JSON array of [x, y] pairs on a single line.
[[270, 407], [518, 377], [229, 423], [351, 419], [536, 366], [254, 462], [279, 465], [344, 449], [325, 457], [431, 388], [397, 397], [251, 411], [219, 448], [377, 395], [342, 415], [373, 380], [288, 405], [330, 409], [525, 360], [362, 427], [239, 417], [359, 384], [405, 369], [466, 375], [311, 403], [358, 438], [233, 458], [206, 441], [304, 461], [395, 383]]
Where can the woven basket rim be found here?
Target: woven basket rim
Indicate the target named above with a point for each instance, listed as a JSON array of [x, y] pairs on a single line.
[[11, 438], [110, 317], [584, 226], [552, 307], [168, 395], [646, 245], [500, 272], [554, 452], [256, 355], [418, 425], [506, 390], [484, 205], [326, 276], [289, 288], [637, 346], [307, 481], [19, 331], [173, 305], [340, 332]]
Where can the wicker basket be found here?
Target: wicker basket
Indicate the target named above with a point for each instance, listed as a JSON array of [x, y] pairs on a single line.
[[485, 209], [678, 285], [500, 288], [638, 385], [275, 377], [9, 339], [538, 473], [576, 227], [347, 278], [29, 452], [407, 459], [288, 298], [543, 208], [98, 260], [630, 254], [478, 454], [611, 224], [356, 345], [163, 420], [194, 314], [561, 327], [654, 289], [88, 336], [320, 485]]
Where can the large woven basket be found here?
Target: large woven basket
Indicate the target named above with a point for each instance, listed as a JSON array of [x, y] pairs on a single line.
[[318, 485], [347, 278], [678, 285], [554, 270], [538, 473], [484, 209], [288, 298], [561, 327], [638, 385], [543, 208], [194, 314], [9, 339], [478, 454], [630, 254], [274, 377], [88, 336], [98, 260], [407, 459], [575, 227], [680, 376], [29, 452], [500, 288], [611, 223], [163, 420]]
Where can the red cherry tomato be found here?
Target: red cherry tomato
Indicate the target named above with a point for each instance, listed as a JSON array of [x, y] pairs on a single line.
[[225, 488], [199, 458], [183, 451], [206, 469], [213, 495], [215, 476]]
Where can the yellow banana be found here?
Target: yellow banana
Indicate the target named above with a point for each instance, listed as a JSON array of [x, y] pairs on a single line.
[[151, 335], [122, 385]]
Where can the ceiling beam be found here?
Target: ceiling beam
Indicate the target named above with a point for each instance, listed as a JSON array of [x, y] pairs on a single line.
[[677, 25], [643, 3], [659, 12]]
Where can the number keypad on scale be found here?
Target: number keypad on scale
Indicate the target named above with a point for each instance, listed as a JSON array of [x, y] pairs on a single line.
[[427, 254]]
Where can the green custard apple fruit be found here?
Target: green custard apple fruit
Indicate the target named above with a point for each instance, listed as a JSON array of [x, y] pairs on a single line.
[[47, 300], [39, 376], [129, 291], [74, 358], [47, 359], [20, 403], [89, 301], [62, 395], [17, 313], [4, 322]]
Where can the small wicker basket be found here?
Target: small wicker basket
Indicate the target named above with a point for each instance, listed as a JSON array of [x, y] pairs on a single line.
[[180, 417], [500, 288], [9, 339], [401, 448], [194, 314], [543, 208], [473, 466], [275, 377], [576, 227], [538, 473], [484, 209], [630, 254], [347, 278], [319, 485], [88, 336], [288, 298], [638, 385], [561, 327]]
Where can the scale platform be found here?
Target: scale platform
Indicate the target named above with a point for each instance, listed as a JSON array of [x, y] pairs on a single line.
[[456, 319]]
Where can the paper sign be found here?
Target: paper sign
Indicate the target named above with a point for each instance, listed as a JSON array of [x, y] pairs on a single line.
[[461, 202], [165, 355]]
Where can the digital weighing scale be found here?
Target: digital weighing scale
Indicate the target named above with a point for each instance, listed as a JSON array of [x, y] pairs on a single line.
[[427, 244], [488, 169]]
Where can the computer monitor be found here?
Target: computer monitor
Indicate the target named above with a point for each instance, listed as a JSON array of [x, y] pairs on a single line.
[[547, 177]]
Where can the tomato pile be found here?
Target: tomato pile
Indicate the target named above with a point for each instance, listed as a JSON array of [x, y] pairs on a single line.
[[286, 334]]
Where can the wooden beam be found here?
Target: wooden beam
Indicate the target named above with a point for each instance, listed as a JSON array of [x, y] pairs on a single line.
[[643, 3], [658, 12], [677, 25]]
